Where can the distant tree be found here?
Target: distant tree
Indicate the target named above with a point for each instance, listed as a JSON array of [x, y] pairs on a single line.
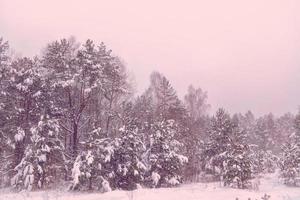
[[285, 126], [264, 138], [196, 103], [197, 108], [220, 141], [264, 132], [167, 104]]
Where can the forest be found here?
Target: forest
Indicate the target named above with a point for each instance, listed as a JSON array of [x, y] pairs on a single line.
[[70, 117]]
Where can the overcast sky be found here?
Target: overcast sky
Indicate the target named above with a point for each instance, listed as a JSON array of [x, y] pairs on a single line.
[[245, 53]]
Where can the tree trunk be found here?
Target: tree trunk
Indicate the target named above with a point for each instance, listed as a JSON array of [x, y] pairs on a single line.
[[75, 136]]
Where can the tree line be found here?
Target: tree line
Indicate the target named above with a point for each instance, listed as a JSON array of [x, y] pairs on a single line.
[[70, 116]]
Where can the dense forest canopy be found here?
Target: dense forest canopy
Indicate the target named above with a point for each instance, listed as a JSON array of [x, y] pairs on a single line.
[[71, 116]]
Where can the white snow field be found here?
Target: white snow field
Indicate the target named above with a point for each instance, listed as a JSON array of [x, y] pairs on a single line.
[[199, 191]]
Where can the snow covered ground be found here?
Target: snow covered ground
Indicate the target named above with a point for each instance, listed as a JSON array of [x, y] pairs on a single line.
[[199, 191]]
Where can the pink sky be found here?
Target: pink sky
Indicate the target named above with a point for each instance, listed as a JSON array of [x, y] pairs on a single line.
[[245, 53]]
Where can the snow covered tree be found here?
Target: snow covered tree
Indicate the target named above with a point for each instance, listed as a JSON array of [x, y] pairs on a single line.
[[86, 83], [160, 110], [197, 107], [116, 89], [285, 126], [67, 86], [43, 163], [5, 109], [116, 162], [196, 103], [22, 106], [144, 111], [82, 171], [166, 103], [263, 138], [290, 160], [92, 168], [49, 150], [265, 132], [220, 133], [247, 122], [238, 163], [164, 160], [127, 159], [227, 155]]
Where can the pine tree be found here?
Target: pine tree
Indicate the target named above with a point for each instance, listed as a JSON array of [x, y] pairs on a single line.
[[264, 137], [92, 168], [238, 163], [220, 133], [24, 94], [43, 160], [284, 128], [167, 104], [67, 86], [264, 132], [5, 109], [290, 160], [227, 155], [127, 160], [116, 162], [165, 162]]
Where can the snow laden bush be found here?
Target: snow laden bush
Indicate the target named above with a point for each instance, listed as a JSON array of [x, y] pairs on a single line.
[[111, 163], [127, 159], [257, 156], [43, 161], [290, 161], [263, 161], [24, 177], [270, 162], [165, 162], [82, 171], [92, 168]]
